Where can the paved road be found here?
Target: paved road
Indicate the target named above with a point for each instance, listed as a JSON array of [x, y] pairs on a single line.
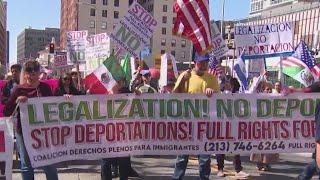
[[161, 168]]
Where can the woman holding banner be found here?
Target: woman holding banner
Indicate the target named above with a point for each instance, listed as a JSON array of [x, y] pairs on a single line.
[[29, 87], [263, 160]]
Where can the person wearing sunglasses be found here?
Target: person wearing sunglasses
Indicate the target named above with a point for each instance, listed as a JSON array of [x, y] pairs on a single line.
[[29, 87], [65, 86]]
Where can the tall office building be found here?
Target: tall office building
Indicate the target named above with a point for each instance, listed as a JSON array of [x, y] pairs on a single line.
[[3, 33], [96, 16], [163, 40], [31, 41]]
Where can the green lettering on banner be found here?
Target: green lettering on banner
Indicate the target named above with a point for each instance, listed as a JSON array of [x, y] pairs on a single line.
[[223, 108], [241, 108], [136, 108], [83, 111], [291, 106], [264, 108], [162, 108], [193, 107], [96, 111], [48, 112], [66, 111], [150, 105], [277, 107], [119, 112], [32, 115], [174, 108], [307, 107], [110, 109]]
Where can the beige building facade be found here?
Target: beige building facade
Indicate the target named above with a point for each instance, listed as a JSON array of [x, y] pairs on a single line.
[[96, 16], [163, 40]]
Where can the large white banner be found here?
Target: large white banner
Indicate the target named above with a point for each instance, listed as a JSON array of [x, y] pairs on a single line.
[[100, 126], [264, 38], [76, 45], [219, 46], [135, 29], [6, 148], [97, 50]]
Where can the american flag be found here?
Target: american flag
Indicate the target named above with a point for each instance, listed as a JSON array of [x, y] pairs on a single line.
[[214, 67], [193, 22], [302, 58]]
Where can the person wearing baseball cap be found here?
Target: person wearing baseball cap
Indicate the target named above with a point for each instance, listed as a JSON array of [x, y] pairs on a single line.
[[194, 81]]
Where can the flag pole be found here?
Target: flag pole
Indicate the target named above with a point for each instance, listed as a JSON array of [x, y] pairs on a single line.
[[221, 29]]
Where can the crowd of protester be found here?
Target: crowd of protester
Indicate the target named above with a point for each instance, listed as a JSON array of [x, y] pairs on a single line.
[[28, 81]]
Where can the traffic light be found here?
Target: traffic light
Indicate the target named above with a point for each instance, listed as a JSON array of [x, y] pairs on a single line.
[[51, 48]]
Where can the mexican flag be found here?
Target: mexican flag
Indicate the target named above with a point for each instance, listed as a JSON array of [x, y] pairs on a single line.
[[105, 77], [126, 67]]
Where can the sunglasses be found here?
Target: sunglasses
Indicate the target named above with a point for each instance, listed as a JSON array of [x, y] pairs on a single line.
[[74, 74], [66, 79]]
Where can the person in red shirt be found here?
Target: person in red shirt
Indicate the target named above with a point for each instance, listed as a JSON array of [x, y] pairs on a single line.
[[29, 87]]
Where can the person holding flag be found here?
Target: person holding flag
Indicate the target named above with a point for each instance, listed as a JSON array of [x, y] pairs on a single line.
[[197, 80]]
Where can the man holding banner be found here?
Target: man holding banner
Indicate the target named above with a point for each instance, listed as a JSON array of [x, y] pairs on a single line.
[[196, 81]]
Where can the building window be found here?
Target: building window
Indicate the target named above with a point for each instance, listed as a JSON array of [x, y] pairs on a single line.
[[92, 12], [116, 15], [183, 54], [116, 3], [92, 24], [130, 2], [104, 13], [163, 42], [174, 20], [104, 25], [163, 51], [93, 1], [164, 19], [164, 8], [173, 43], [173, 53], [183, 43], [164, 31], [105, 2], [114, 25]]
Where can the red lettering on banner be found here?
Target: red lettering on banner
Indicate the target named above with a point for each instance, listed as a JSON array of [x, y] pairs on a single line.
[[100, 131], [259, 130], [34, 135], [79, 134], [89, 132], [214, 130], [303, 128], [47, 137], [121, 134]]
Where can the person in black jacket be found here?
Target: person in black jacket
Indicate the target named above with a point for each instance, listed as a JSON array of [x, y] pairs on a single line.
[[66, 86], [10, 85]]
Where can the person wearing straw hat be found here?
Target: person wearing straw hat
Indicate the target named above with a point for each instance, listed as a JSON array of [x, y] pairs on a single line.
[[194, 81]]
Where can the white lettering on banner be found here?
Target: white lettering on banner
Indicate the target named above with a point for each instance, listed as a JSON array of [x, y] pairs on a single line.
[[99, 126], [60, 59], [265, 38], [135, 29]]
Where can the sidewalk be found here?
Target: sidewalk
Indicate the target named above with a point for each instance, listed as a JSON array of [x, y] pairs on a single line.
[[161, 168]]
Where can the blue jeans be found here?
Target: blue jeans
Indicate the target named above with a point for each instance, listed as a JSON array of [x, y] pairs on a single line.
[[309, 171], [27, 170], [182, 162], [124, 164]]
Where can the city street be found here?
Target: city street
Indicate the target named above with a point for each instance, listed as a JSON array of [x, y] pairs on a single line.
[[161, 168]]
